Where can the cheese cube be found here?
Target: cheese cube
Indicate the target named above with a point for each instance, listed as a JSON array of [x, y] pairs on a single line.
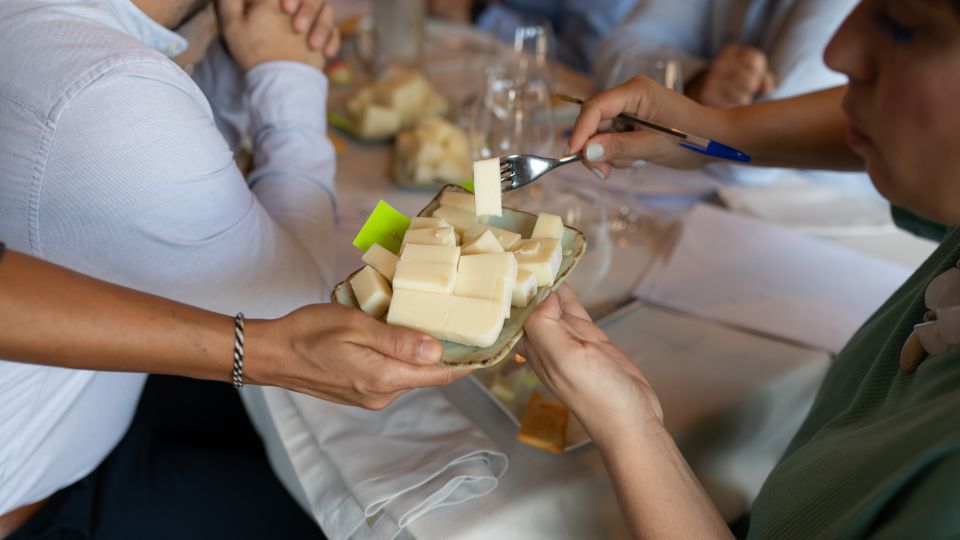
[[486, 186], [474, 321], [404, 91], [382, 260], [428, 253], [372, 292], [463, 201], [422, 276], [548, 226], [490, 275], [506, 238], [427, 312], [541, 256], [460, 219], [427, 223], [470, 321], [439, 236], [377, 122], [485, 243], [525, 289]]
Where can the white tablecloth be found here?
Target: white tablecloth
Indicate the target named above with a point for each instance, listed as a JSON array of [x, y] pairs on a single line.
[[732, 400]]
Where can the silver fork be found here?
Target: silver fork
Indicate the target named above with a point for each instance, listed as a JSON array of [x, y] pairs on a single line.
[[518, 171]]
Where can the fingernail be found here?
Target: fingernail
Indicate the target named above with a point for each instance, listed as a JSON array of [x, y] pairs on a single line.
[[566, 150], [594, 151], [598, 173], [430, 349]]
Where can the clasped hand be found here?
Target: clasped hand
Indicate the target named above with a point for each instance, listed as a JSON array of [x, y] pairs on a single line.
[[258, 31]]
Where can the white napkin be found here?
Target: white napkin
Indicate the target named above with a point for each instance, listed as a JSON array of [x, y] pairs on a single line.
[[812, 208], [368, 474]]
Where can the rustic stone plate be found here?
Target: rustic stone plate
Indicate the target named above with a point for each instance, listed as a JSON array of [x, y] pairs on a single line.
[[462, 356]]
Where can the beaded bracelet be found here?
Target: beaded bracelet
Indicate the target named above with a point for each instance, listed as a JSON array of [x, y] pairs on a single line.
[[238, 351]]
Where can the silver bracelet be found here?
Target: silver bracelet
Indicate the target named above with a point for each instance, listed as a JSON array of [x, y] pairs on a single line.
[[238, 351]]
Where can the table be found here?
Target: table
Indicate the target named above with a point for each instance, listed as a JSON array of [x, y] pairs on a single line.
[[731, 400]]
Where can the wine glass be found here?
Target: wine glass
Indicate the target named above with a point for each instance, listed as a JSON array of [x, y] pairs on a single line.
[[514, 114]]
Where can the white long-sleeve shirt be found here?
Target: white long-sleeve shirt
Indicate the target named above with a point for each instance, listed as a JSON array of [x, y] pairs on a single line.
[[111, 163]]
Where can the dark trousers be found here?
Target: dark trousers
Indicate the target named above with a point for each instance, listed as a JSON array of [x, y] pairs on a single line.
[[190, 466]]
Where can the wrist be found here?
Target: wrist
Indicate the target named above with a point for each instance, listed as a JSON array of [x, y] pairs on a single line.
[[629, 432], [263, 350]]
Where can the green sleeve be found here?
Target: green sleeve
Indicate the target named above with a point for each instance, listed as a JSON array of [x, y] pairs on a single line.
[[922, 227], [926, 507]]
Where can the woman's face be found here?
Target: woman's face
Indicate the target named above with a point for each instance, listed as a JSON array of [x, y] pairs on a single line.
[[903, 101]]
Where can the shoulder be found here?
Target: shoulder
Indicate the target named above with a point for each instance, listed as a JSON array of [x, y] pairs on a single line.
[[56, 51]]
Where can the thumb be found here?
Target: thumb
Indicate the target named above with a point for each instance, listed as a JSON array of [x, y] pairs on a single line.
[[406, 345], [230, 11]]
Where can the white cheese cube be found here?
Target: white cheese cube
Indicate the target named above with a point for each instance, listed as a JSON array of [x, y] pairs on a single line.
[[525, 290], [541, 256], [485, 243], [454, 168], [422, 276], [404, 92], [427, 223], [382, 260], [470, 321], [428, 253], [486, 186], [506, 238], [377, 122], [548, 226], [463, 201], [439, 236], [460, 219], [490, 275], [474, 321], [372, 292], [427, 312]]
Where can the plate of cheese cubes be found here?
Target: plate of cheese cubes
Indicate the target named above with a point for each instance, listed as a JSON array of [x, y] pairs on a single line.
[[466, 275]]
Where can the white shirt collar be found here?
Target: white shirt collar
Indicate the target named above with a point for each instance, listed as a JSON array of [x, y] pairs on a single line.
[[139, 25]]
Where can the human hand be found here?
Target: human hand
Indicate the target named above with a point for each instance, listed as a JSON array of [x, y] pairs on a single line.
[[575, 361], [257, 31], [648, 100], [308, 16], [736, 77], [342, 355]]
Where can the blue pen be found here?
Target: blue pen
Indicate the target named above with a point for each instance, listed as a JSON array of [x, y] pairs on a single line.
[[686, 140]]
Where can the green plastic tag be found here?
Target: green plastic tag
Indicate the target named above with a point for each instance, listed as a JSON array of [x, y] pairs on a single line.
[[385, 226], [467, 185]]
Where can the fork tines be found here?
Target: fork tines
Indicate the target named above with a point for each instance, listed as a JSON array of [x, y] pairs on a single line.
[[506, 170]]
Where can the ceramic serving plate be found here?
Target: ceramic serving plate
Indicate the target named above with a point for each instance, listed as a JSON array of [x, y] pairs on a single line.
[[462, 356]]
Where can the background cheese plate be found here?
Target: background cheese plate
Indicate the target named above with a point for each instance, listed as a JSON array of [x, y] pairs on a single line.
[[463, 356]]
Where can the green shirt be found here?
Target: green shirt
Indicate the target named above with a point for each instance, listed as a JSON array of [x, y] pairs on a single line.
[[879, 454]]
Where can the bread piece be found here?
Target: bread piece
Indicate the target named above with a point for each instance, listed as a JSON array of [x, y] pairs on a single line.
[[544, 424]]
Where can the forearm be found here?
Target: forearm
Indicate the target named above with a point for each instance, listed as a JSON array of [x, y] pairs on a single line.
[[295, 162], [52, 316], [807, 131], [658, 493]]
